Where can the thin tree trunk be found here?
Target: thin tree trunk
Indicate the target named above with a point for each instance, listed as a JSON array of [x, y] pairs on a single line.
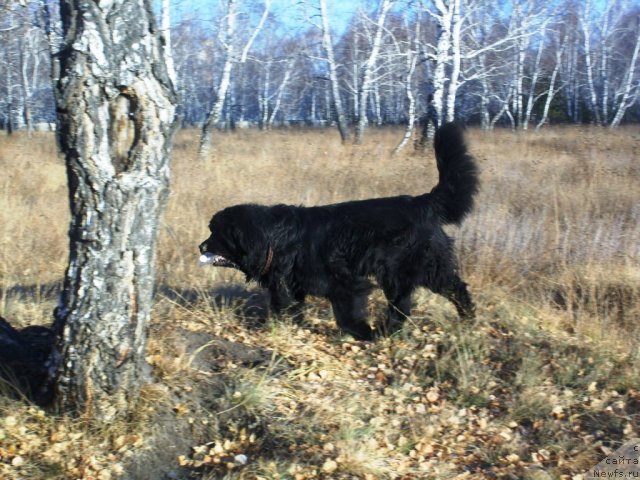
[[327, 43], [504, 110], [531, 97], [593, 97], [214, 116], [521, 55], [456, 60], [624, 100], [412, 60], [443, 49], [356, 75], [552, 83], [367, 75], [485, 117], [411, 114], [604, 61], [312, 113], [264, 117], [377, 107], [166, 32], [26, 92], [116, 108], [281, 90], [9, 99]]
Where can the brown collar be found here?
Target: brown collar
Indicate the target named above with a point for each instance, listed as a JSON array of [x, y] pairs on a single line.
[[267, 264]]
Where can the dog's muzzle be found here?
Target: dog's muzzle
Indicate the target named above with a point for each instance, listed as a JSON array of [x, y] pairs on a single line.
[[206, 259], [216, 260]]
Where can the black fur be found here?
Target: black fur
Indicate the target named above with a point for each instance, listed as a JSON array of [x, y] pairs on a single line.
[[334, 250]]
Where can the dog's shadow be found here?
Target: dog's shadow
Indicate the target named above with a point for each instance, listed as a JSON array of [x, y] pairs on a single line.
[[251, 305]]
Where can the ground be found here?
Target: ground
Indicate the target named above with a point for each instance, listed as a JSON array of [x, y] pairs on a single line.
[[544, 384]]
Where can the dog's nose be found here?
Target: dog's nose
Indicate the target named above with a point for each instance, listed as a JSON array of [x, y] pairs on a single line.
[[203, 247]]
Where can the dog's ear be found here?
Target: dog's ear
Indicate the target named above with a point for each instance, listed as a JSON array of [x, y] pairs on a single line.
[[250, 233], [282, 230]]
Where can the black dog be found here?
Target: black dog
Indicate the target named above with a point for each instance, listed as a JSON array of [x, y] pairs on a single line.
[[334, 250]]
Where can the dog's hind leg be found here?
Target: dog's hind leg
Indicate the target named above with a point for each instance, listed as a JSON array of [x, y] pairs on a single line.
[[350, 311], [399, 309], [456, 291]]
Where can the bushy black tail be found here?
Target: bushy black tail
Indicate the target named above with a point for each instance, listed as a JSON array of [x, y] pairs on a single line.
[[458, 174]]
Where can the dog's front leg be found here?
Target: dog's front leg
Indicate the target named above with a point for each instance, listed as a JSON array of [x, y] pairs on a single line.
[[350, 311], [284, 303]]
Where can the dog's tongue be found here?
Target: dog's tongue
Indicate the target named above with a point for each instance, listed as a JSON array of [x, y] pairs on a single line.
[[206, 259]]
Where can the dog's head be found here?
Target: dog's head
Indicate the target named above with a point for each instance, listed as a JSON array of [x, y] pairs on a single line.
[[236, 241]]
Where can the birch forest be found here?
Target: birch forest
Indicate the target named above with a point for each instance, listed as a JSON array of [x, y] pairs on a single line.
[[521, 64]]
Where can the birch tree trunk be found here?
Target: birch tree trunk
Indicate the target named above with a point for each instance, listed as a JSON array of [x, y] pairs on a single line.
[[367, 74], [166, 32], [26, 82], [586, 30], [485, 91], [624, 102], [116, 107], [355, 72], [281, 90], [444, 19], [411, 62], [552, 83], [265, 97], [213, 118], [411, 113], [531, 97], [604, 62], [520, 59], [456, 60], [376, 104], [327, 44]]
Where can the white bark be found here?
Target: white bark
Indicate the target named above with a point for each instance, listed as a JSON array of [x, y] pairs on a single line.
[[624, 102], [531, 97], [604, 61], [165, 25], [369, 65], [521, 55], [265, 97], [281, 90], [411, 114], [445, 23], [586, 30], [551, 91], [411, 58], [456, 59], [256, 31], [504, 110], [116, 122], [214, 116], [327, 44], [29, 72]]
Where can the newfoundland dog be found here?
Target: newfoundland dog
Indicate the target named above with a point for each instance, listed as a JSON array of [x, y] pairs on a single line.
[[337, 250]]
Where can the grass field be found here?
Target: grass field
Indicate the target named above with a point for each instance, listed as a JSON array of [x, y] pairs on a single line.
[[544, 385]]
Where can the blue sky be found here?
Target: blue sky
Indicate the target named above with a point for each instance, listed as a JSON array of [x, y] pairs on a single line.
[[290, 12]]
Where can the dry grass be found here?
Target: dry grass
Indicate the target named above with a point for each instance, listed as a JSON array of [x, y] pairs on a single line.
[[542, 385]]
